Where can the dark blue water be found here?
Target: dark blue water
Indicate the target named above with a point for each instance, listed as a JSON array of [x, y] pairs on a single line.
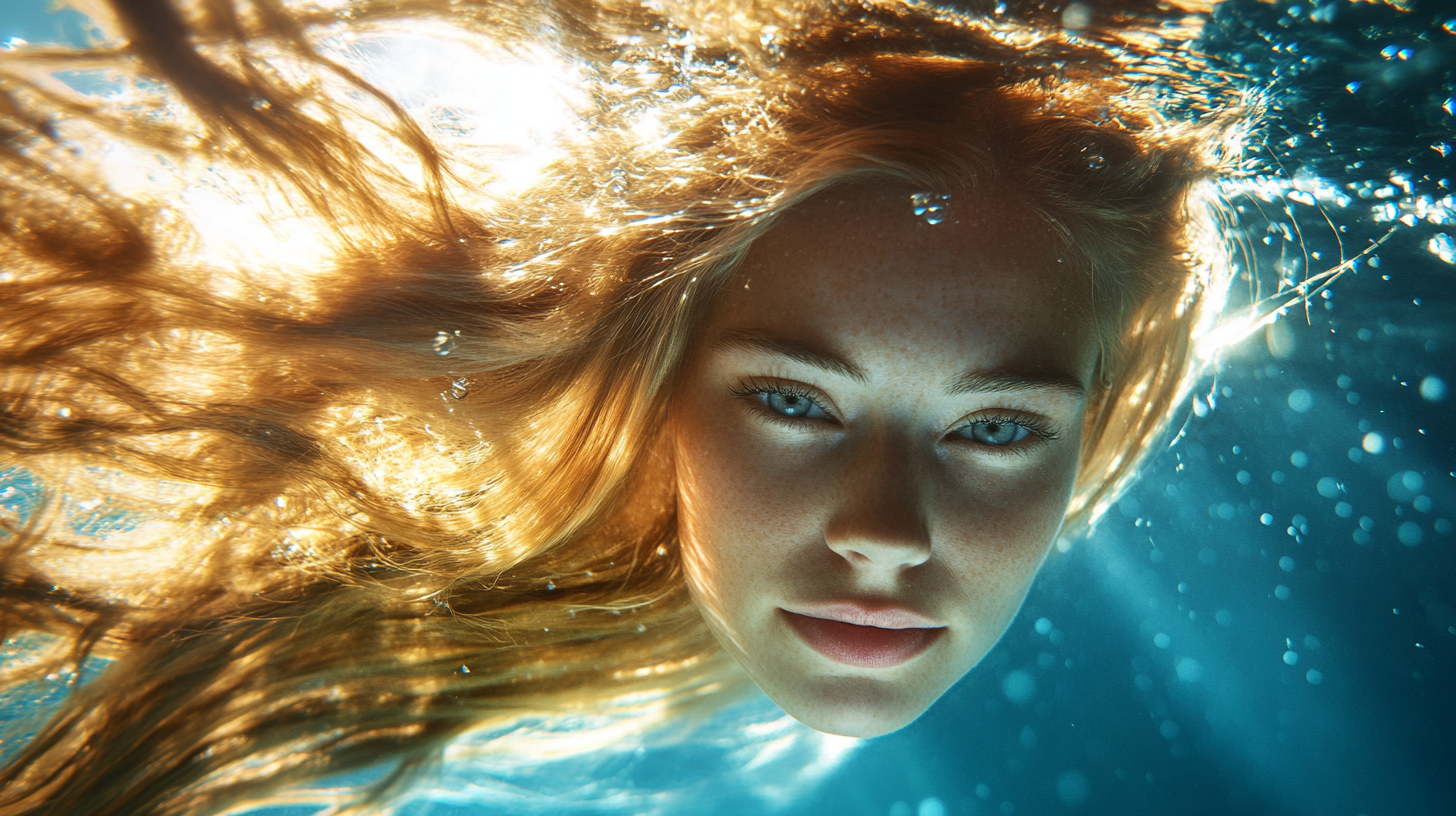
[[1266, 622]]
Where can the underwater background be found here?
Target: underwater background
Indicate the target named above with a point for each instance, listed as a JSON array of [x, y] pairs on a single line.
[[1266, 622]]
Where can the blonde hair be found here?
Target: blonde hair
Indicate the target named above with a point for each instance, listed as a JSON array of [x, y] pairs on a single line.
[[409, 481]]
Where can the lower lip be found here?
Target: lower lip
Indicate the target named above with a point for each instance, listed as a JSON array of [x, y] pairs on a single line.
[[854, 645]]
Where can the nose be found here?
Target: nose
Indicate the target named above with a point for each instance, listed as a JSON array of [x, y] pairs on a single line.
[[880, 521]]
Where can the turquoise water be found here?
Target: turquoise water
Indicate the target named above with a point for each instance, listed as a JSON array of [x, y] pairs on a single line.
[[1266, 623]]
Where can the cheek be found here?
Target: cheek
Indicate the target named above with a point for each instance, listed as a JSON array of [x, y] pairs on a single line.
[[999, 531], [727, 505]]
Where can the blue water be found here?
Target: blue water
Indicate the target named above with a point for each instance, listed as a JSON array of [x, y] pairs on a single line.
[[1266, 622]]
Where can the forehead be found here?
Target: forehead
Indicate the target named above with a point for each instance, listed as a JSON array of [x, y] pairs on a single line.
[[857, 266]]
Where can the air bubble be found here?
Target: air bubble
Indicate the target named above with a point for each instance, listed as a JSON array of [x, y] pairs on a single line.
[[1189, 670], [1410, 534], [1019, 686], [445, 342], [930, 806], [1072, 786], [1076, 15], [1405, 485], [1433, 389]]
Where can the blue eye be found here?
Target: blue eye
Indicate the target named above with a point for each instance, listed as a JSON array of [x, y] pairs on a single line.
[[790, 404], [994, 432]]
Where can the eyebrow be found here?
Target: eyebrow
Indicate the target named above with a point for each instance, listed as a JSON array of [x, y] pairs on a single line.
[[1001, 381], [995, 381], [759, 340]]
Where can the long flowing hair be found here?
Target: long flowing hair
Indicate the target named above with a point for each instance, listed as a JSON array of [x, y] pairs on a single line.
[[398, 474]]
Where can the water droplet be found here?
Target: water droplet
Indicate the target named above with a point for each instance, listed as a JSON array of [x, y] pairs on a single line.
[[445, 342], [1096, 161], [460, 387], [929, 206], [550, 585], [1373, 442], [1443, 246], [1352, 87], [1291, 657]]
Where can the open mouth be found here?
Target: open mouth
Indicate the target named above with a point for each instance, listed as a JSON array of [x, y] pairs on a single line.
[[855, 645]]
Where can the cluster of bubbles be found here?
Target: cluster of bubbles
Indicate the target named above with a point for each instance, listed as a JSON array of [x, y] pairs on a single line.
[[930, 206]]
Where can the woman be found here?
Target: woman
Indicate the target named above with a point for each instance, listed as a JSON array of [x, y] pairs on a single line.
[[794, 367]]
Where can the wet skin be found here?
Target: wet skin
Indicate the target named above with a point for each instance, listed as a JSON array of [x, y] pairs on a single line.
[[876, 439]]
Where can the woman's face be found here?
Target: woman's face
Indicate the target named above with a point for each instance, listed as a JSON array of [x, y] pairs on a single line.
[[876, 440]]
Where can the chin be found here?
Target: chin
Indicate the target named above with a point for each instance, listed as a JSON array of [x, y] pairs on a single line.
[[851, 720]]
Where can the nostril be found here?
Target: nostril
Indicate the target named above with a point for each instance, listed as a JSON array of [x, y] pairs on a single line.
[[882, 548]]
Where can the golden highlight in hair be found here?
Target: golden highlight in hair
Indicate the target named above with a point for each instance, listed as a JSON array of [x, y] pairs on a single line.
[[373, 419]]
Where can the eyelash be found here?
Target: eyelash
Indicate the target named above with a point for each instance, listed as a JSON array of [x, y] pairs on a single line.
[[1037, 433], [753, 390]]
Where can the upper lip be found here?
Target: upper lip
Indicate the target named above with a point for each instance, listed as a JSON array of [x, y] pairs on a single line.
[[880, 614]]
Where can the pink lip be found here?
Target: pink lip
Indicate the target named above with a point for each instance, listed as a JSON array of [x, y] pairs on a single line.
[[857, 636]]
